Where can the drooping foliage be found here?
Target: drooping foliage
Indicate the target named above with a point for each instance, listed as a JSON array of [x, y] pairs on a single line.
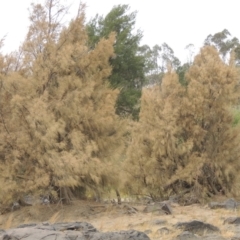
[[62, 92], [153, 153], [59, 129], [185, 135]]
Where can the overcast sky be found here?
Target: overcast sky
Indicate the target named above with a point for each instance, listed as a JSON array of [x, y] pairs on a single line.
[[176, 22]]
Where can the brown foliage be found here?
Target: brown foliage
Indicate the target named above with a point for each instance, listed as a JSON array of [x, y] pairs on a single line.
[[153, 152], [58, 125], [185, 138]]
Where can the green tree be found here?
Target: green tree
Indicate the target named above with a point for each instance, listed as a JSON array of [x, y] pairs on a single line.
[[128, 64], [149, 66], [225, 44], [158, 59], [167, 58], [182, 69]]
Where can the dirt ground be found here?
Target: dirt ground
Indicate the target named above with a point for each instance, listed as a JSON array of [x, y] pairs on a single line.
[[109, 217]]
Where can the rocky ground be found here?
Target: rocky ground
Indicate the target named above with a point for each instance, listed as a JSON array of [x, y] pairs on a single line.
[[95, 221]]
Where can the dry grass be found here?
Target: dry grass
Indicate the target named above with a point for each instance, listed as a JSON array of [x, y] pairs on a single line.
[[112, 218]]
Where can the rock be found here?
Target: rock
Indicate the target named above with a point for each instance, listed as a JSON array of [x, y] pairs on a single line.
[[130, 234], [45, 223], [190, 236], [129, 210], [184, 200], [235, 238], [163, 208], [26, 201], [15, 206], [45, 201], [197, 227], [151, 208], [213, 237], [37, 234], [174, 199], [187, 236], [67, 231], [163, 231], [146, 200], [228, 204], [159, 222], [231, 204], [215, 205], [148, 231], [232, 220], [76, 226], [27, 225]]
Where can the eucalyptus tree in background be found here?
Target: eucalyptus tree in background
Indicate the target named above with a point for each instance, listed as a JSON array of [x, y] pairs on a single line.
[[182, 69], [190, 48], [158, 59], [167, 57], [225, 44], [128, 64]]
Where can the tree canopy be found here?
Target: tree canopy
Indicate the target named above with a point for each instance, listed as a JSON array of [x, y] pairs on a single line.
[[127, 64], [85, 109], [59, 129], [185, 136]]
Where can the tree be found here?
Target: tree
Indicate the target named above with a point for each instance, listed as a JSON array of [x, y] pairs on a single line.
[[191, 52], [153, 150], [225, 44], [128, 64], [211, 165], [185, 141], [158, 59], [156, 75], [167, 57], [62, 131], [182, 69], [150, 65]]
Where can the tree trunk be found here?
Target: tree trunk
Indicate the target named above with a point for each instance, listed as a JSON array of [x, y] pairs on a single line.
[[118, 197], [66, 195]]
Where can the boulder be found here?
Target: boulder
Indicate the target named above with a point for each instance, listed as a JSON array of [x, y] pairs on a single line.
[[129, 210], [186, 235], [232, 220], [159, 222], [163, 231], [126, 235], [162, 208], [228, 204], [213, 237], [66, 231], [197, 227]]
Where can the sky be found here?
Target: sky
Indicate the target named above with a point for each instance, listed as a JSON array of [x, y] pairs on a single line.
[[176, 22]]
